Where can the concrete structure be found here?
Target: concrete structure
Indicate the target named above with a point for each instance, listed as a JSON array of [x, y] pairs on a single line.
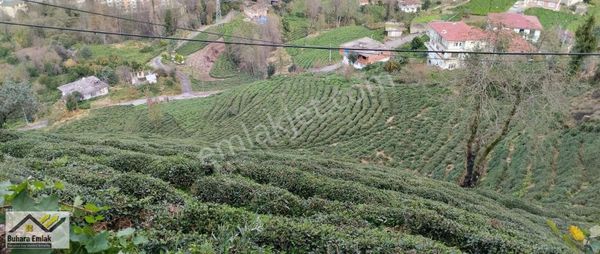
[[394, 29], [144, 78], [88, 87], [546, 4], [417, 28], [529, 27], [458, 37], [409, 6], [12, 7], [364, 57]]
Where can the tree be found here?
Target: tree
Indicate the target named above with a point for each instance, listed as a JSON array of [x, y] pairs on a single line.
[[313, 11], [426, 4], [16, 100], [417, 43], [72, 101], [270, 70], [170, 23], [585, 42], [499, 96], [85, 53]]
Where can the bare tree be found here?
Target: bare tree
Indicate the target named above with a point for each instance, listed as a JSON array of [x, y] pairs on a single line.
[[501, 94], [313, 11]]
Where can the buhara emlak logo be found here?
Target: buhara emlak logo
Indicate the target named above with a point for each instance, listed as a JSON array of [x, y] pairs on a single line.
[[37, 230]]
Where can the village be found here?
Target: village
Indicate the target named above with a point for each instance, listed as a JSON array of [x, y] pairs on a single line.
[[511, 31]]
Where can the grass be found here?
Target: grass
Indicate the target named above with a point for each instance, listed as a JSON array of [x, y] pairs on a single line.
[[550, 18], [426, 18], [295, 27], [314, 58], [138, 51], [483, 7], [229, 28], [224, 68]]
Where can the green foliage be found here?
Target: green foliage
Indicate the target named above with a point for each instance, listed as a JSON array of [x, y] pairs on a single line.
[[549, 18], [483, 7], [16, 100], [85, 53], [72, 101], [585, 42], [170, 23], [271, 70], [307, 58]]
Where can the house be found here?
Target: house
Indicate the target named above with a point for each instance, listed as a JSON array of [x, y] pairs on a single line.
[[394, 29], [143, 78], [546, 4], [256, 11], [364, 57], [452, 36], [12, 7], [529, 27], [88, 87], [417, 28], [553, 5], [409, 6], [458, 36]]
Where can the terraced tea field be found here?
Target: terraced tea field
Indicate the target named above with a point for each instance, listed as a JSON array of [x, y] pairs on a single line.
[[314, 58], [282, 203], [405, 127]]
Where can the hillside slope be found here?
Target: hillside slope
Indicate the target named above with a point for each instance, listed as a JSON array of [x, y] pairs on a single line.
[[274, 201], [406, 127]]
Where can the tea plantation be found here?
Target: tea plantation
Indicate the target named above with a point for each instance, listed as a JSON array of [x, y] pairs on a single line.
[[279, 202], [307, 58], [316, 163]]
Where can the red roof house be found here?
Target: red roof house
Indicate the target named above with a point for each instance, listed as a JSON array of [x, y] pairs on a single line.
[[457, 31], [528, 26]]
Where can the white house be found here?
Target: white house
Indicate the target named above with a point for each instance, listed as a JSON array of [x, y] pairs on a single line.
[[394, 29], [546, 4], [452, 36], [143, 78], [409, 6], [529, 27], [364, 56], [88, 87]]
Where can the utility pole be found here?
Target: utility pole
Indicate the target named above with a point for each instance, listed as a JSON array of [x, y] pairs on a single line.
[[218, 7]]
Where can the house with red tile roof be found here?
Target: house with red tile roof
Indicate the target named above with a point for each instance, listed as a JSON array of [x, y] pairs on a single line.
[[529, 27], [409, 6], [452, 38]]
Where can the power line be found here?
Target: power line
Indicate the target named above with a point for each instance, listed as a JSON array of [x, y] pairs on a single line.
[[302, 46], [140, 21]]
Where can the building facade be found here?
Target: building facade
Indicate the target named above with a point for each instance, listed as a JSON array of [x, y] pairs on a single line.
[[529, 27], [452, 36]]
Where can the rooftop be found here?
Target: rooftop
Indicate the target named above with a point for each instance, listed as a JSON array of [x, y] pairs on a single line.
[[515, 20], [410, 2], [85, 85], [364, 43], [457, 31]]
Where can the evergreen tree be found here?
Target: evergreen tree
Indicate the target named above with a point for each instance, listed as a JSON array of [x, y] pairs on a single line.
[[170, 27], [585, 42], [16, 100]]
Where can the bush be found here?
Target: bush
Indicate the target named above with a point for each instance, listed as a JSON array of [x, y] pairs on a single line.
[[85, 53], [271, 70]]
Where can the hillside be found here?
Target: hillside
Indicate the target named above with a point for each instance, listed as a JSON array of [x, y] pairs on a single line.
[[274, 201], [406, 127]]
